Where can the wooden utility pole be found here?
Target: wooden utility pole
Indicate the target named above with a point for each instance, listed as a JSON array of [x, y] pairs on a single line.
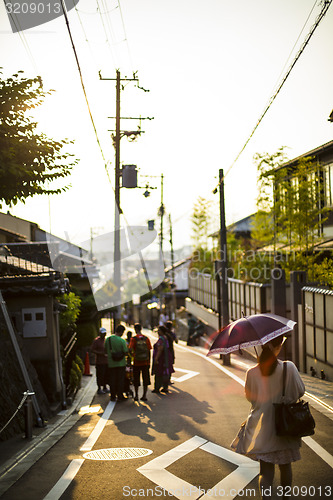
[[116, 269], [223, 263], [161, 213], [116, 142], [173, 287]]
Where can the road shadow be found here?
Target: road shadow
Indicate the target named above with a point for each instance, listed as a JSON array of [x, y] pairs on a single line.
[[167, 414]]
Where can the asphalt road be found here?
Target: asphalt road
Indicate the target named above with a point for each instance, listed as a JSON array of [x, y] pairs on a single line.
[[178, 441]]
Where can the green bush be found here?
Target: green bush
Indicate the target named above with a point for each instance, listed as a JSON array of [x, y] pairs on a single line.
[[68, 317], [75, 375], [74, 380], [79, 362]]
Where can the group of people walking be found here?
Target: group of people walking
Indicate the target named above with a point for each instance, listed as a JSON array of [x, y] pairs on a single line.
[[120, 363]]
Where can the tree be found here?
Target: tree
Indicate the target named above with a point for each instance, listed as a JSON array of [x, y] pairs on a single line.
[[29, 160], [265, 222], [68, 317], [201, 220], [291, 211]]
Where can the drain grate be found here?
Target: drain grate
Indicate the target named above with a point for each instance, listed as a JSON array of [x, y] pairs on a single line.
[[117, 454]]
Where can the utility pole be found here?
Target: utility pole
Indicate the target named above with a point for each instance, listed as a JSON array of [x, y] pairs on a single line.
[[161, 214], [173, 289], [116, 269], [223, 263], [116, 142]]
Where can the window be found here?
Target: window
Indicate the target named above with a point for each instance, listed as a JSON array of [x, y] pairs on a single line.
[[328, 185]]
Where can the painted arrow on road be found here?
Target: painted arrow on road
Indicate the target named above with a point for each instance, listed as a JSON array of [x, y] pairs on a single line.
[[230, 486], [188, 374]]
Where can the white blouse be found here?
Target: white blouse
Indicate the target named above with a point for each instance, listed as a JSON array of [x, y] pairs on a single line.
[[262, 391]]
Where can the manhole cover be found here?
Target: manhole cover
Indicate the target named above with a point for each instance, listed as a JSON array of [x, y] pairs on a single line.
[[117, 453]]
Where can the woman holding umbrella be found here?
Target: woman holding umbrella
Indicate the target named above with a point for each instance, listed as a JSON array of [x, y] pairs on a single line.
[[257, 437]]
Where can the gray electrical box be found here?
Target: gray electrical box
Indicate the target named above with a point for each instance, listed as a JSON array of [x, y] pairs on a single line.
[[130, 176], [34, 322]]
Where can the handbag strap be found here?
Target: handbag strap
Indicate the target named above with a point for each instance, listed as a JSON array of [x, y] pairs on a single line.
[[284, 376], [110, 344]]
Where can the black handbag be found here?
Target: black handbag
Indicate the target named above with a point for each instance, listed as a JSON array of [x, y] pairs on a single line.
[[293, 419], [116, 355]]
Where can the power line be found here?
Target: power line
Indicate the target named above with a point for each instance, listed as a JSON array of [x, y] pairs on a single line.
[[105, 30], [326, 5], [23, 39], [85, 36], [294, 46], [84, 89], [126, 39]]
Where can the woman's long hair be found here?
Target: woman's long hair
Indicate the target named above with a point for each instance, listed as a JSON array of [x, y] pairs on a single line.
[[267, 359], [162, 330]]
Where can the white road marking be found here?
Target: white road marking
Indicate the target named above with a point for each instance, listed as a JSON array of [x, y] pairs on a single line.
[[215, 363], [155, 471], [188, 374], [74, 467], [324, 455], [320, 405], [237, 480], [88, 445], [319, 450], [60, 487]]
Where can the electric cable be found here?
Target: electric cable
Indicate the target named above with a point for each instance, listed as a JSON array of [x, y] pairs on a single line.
[[84, 90], [81, 23], [23, 39], [95, 130], [86, 97], [294, 46], [86, 37], [113, 56], [326, 5], [108, 19], [126, 39]]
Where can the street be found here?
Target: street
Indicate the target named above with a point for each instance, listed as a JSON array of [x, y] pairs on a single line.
[[177, 445]]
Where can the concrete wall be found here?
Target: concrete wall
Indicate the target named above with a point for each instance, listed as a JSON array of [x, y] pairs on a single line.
[[44, 348]]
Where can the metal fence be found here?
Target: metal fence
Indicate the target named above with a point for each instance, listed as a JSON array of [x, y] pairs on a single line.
[[313, 335], [317, 338], [247, 298], [202, 289]]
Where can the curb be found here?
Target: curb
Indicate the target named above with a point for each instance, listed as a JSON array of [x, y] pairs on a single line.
[[20, 463]]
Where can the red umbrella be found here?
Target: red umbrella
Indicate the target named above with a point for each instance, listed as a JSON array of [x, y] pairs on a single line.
[[250, 331]]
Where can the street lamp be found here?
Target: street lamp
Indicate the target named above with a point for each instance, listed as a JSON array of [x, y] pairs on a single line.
[[161, 209]]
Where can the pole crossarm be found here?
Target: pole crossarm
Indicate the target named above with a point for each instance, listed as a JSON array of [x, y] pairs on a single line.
[[127, 133], [134, 79], [120, 79], [134, 118]]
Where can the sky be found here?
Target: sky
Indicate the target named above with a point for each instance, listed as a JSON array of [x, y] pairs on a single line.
[[210, 66]]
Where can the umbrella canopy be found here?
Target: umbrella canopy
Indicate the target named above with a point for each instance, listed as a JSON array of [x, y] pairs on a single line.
[[250, 331]]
